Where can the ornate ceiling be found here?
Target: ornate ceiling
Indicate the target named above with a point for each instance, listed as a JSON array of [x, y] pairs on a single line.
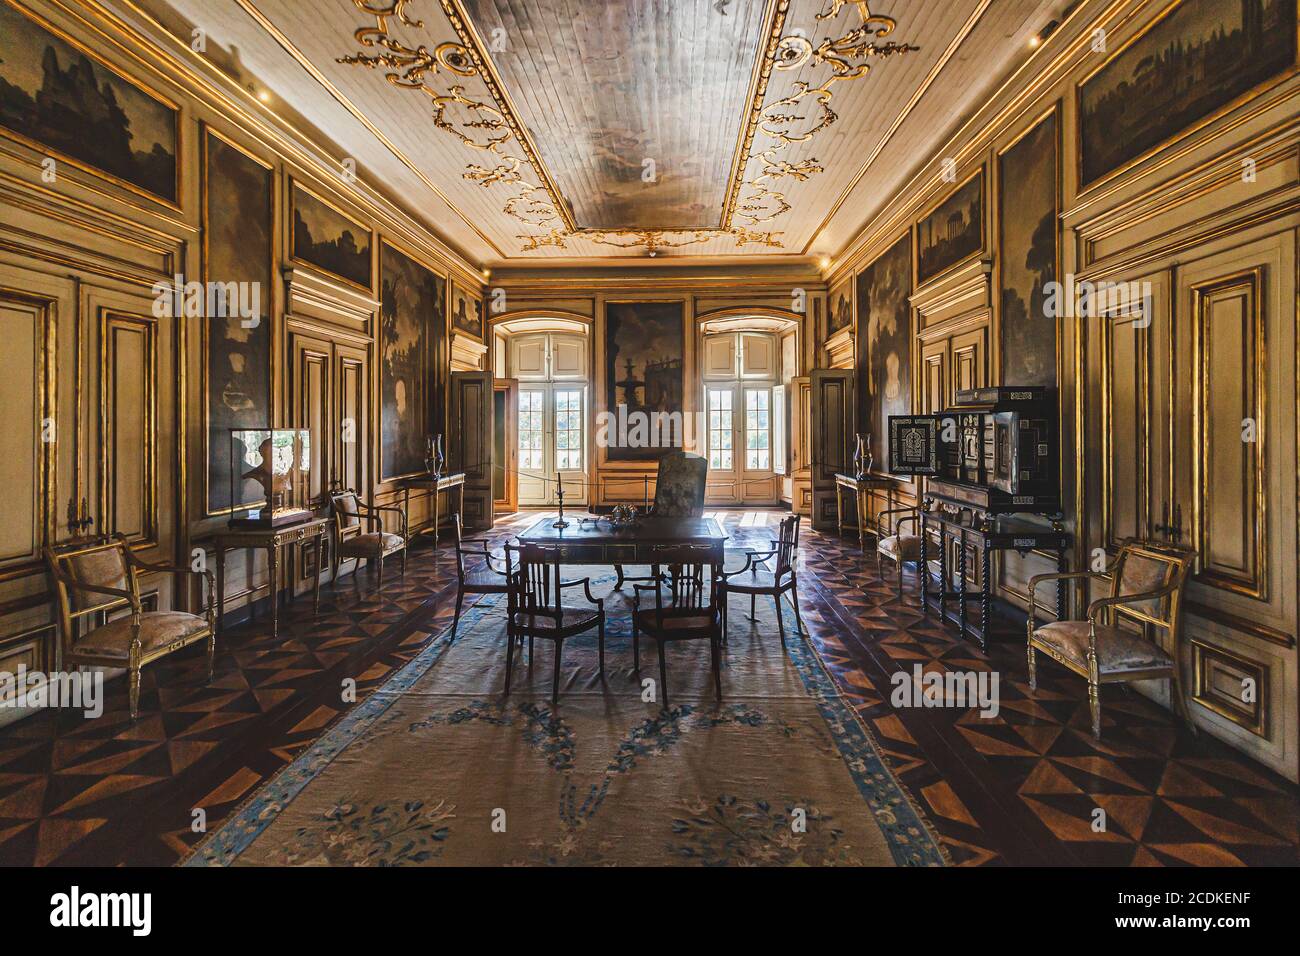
[[572, 129]]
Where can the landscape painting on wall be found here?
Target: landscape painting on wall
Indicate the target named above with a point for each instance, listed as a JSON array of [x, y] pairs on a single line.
[[884, 366], [411, 315], [1199, 57], [237, 216], [953, 232], [644, 372], [54, 94], [1027, 224], [840, 312], [466, 312], [327, 239]]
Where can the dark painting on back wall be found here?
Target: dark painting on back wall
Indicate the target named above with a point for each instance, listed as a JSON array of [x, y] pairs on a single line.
[[1199, 57], [644, 372], [237, 222], [325, 238], [54, 94], [953, 232], [840, 313], [410, 315], [1027, 217], [884, 372], [466, 312]]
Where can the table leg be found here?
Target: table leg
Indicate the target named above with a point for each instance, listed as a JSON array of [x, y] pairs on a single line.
[[221, 582], [862, 518], [961, 584], [923, 570], [315, 587], [273, 573], [435, 516]]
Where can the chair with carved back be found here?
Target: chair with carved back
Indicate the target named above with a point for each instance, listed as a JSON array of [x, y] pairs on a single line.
[[1146, 593], [679, 493], [481, 577], [899, 546], [95, 578], [535, 607], [359, 533], [750, 580], [687, 606]]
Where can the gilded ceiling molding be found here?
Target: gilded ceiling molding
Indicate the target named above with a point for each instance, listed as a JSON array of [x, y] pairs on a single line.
[[536, 203]]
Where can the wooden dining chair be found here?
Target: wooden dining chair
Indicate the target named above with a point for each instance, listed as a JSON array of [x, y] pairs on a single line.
[[1146, 594], [900, 546], [535, 607], [679, 493], [687, 606], [96, 578], [475, 579], [750, 580]]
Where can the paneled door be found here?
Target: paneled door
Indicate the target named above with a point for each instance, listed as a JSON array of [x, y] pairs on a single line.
[[505, 438], [471, 445], [833, 428]]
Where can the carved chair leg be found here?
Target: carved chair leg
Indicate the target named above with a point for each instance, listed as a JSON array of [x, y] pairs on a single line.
[[780, 623], [1094, 704], [600, 638], [555, 678], [455, 621], [899, 566], [379, 584], [1033, 667], [510, 657], [212, 652], [752, 612], [794, 599], [618, 570], [663, 676]]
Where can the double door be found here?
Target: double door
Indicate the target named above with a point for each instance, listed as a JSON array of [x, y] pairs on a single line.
[[551, 443]]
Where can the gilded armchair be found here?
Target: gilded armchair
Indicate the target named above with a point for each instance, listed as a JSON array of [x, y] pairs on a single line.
[[100, 577], [1147, 581], [359, 533]]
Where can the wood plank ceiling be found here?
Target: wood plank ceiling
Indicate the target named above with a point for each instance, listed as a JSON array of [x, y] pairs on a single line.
[[520, 129]]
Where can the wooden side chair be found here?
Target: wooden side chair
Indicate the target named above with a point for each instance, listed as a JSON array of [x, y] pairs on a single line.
[[771, 583], [535, 607], [692, 611], [1147, 582], [485, 579], [899, 546], [359, 533], [102, 576], [679, 493]]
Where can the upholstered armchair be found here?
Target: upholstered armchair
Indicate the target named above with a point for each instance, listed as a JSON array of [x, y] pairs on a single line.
[[100, 577], [1147, 581], [899, 546], [679, 493], [359, 533]]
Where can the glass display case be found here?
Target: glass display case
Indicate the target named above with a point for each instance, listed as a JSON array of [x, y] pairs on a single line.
[[269, 473]]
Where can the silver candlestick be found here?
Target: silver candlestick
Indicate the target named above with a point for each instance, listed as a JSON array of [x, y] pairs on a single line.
[[559, 493]]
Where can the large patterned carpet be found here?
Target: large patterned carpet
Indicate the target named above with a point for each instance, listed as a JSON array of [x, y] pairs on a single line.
[[440, 767]]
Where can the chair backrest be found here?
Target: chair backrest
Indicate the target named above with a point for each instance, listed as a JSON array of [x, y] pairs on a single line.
[[101, 563], [1149, 566], [787, 543], [694, 576], [534, 582], [345, 506], [679, 487]]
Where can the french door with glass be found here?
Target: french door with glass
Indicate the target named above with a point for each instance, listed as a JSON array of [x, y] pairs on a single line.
[[742, 435], [552, 443]]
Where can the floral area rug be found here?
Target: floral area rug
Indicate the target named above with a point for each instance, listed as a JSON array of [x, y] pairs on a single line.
[[440, 767]]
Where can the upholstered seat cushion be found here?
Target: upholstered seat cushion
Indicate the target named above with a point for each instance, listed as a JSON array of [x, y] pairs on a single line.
[[371, 544], [1117, 650], [569, 617], [673, 621], [762, 581], [901, 547], [158, 629]]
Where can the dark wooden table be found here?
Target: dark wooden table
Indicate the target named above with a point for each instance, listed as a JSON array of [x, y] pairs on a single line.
[[271, 540], [596, 542]]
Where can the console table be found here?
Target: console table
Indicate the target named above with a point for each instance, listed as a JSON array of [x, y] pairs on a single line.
[[859, 487], [989, 533], [271, 540], [447, 483]]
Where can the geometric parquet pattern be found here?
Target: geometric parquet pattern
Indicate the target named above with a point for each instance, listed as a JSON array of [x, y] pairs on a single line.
[[1021, 788]]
